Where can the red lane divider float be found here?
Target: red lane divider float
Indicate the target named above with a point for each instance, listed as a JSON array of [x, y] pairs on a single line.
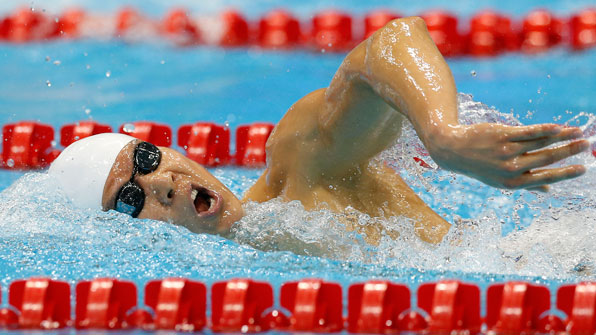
[[583, 29], [279, 29], [238, 305], [27, 145], [206, 143], [376, 306], [75, 131], [158, 134], [489, 33], [451, 305], [41, 304], [103, 303], [541, 31], [314, 305], [516, 307]]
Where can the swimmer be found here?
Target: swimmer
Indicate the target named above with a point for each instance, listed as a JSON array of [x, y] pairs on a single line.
[[321, 152]]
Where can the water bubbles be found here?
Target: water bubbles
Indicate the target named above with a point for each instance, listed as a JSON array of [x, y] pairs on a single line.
[[57, 62], [10, 162], [48, 83], [539, 90], [162, 62], [473, 73], [128, 127], [56, 20], [108, 74], [53, 144], [87, 111], [87, 66], [548, 76]]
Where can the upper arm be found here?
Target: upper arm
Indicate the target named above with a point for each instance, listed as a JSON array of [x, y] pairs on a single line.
[[397, 73]]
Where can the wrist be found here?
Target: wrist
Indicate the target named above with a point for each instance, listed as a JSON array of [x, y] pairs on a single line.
[[440, 136]]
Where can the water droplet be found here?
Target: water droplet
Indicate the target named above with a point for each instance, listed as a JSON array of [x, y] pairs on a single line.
[[48, 83], [539, 90], [33, 9], [87, 111], [56, 20], [85, 54], [76, 138], [108, 74], [473, 73], [530, 100], [54, 144], [88, 66], [163, 62], [128, 127], [10, 162], [48, 58], [57, 62], [548, 76]]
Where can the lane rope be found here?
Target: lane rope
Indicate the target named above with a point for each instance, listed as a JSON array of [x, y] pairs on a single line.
[[308, 305], [487, 33]]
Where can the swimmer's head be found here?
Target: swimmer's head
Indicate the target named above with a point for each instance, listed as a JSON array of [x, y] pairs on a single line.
[[83, 167], [166, 186]]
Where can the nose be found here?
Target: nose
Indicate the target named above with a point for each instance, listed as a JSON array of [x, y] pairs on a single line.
[[159, 185]]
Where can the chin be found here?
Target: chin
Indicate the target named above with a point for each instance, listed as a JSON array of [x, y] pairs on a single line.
[[230, 215]]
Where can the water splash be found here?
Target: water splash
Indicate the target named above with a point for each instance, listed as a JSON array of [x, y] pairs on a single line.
[[495, 232]]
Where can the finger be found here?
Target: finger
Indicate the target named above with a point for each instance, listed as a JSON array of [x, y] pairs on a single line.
[[530, 145], [542, 177], [541, 188], [525, 133], [549, 156]]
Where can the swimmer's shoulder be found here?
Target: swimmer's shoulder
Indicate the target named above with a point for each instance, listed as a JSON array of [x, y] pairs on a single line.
[[293, 150]]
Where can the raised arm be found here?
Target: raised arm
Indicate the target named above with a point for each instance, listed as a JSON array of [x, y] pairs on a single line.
[[399, 72]]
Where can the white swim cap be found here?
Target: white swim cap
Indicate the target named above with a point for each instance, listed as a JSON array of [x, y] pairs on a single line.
[[83, 167]]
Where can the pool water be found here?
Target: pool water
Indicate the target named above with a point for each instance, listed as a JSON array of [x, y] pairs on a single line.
[[498, 235]]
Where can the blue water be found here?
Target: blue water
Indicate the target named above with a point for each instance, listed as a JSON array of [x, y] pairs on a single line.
[[499, 235]]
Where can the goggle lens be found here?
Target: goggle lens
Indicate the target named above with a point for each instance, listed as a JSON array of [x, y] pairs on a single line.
[[131, 198]]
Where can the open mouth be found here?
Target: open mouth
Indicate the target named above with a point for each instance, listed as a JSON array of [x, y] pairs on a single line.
[[206, 202]]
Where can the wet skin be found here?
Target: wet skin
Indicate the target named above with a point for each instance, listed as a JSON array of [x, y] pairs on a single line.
[[169, 192], [321, 152]]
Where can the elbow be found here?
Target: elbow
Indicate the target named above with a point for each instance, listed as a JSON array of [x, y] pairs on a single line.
[[398, 29]]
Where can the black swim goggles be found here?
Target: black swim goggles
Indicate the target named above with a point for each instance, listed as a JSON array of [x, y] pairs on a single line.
[[131, 197]]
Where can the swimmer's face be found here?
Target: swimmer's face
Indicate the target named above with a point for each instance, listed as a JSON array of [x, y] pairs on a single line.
[[179, 191]]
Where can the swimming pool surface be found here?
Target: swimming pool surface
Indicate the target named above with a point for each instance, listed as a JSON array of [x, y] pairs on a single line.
[[499, 235]]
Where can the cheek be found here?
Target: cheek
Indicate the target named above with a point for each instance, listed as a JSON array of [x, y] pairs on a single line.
[[155, 211]]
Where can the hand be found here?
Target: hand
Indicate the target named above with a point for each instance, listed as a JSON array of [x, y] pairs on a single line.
[[510, 157]]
